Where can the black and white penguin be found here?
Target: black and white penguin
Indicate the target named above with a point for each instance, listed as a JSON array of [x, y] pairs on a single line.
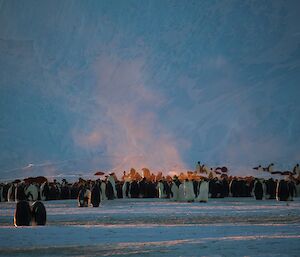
[[112, 181], [215, 188], [44, 191], [143, 187], [6, 186], [20, 192], [188, 188], [271, 189], [119, 185], [233, 187], [95, 195], [203, 191], [225, 187], [11, 193], [22, 215], [80, 198], [167, 189], [296, 170], [258, 189], [65, 192], [134, 189], [103, 190], [125, 189], [282, 191], [75, 190], [32, 192], [110, 193], [54, 191], [269, 168], [161, 189], [259, 168], [196, 186], [181, 197], [152, 191], [84, 197], [292, 190], [2, 199], [38, 212], [174, 191]]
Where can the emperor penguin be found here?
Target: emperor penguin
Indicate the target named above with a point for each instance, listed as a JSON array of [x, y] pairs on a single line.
[[22, 216], [282, 190], [203, 191], [125, 189], [258, 189], [84, 197], [95, 195], [20, 192], [39, 215], [161, 191], [111, 179], [2, 199], [44, 191], [181, 197], [259, 168], [189, 194], [175, 191], [296, 170], [269, 168], [292, 190], [103, 191], [32, 193], [11, 193]]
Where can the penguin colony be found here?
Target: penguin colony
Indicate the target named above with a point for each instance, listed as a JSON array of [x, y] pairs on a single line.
[[196, 186]]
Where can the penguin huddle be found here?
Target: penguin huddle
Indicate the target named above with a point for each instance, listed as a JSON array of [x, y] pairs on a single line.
[[26, 215], [189, 190], [281, 190]]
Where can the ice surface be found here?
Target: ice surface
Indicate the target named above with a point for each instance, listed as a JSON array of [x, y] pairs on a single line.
[[157, 227]]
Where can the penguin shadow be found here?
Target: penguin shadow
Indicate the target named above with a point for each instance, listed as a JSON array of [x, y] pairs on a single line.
[[26, 215]]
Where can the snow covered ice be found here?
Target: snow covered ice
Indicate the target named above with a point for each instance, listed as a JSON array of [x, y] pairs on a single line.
[[157, 227]]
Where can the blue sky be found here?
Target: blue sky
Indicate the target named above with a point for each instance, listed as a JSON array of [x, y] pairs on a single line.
[[163, 84]]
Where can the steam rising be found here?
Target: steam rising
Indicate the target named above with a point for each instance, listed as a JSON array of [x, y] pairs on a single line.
[[124, 119]]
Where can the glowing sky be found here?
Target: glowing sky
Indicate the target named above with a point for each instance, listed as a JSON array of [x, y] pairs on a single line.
[[163, 84]]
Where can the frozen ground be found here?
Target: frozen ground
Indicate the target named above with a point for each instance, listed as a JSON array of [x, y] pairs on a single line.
[[154, 227]]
